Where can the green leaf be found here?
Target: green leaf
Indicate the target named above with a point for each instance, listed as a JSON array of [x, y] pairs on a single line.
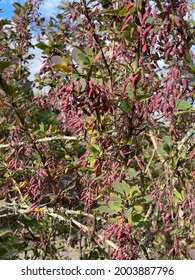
[[42, 46], [109, 12], [75, 53], [167, 140], [5, 231], [90, 54], [138, 208], [106, 209], [12, 253], [115, 204], [26, 87], [134, 65], [166, 148], [161, 152], [183, 105], [122, 188], [142, 97], [150, 20], [92, 159], [131, 172], [176, 199], [134, 191], [174, 161], [9, 89], [17, 5], [183, 112], [178, 196], [118, 187], [124, 11], [126, 188], [84, 58], [137, 218], [127, 35], [83, 84], [125, 106], [128, 215], [4, 22], [95, 150], [132, 217], [145, 200], [42, 127], [31, 223], [130, 93], [5, 64], [143, 224], [190, 61], [80, 57], [183, 153]]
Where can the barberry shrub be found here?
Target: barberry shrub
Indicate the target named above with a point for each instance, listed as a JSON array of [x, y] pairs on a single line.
[[110, 111]]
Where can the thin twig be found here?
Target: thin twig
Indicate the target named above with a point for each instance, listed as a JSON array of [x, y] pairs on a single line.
[[148, 165]]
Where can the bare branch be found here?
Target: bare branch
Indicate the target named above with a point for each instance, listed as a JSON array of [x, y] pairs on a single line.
[[42, 140]]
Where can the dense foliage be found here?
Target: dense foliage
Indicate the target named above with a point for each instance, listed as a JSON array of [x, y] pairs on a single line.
[[97, 151]]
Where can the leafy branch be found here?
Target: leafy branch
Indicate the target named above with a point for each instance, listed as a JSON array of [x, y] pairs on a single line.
[[63, 215]]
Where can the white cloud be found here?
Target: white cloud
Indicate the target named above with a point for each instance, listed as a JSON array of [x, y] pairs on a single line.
[[49, 7], [37, 62]]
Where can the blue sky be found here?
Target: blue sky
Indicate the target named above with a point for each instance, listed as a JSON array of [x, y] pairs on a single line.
[[48, 8], [7, 8]]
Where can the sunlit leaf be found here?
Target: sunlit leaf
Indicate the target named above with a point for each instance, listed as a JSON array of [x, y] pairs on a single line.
[[183, 105], [115, 204], [122, 187], [106, 209], [138, 208], [80, 57], [128, 215], [134, 191]]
